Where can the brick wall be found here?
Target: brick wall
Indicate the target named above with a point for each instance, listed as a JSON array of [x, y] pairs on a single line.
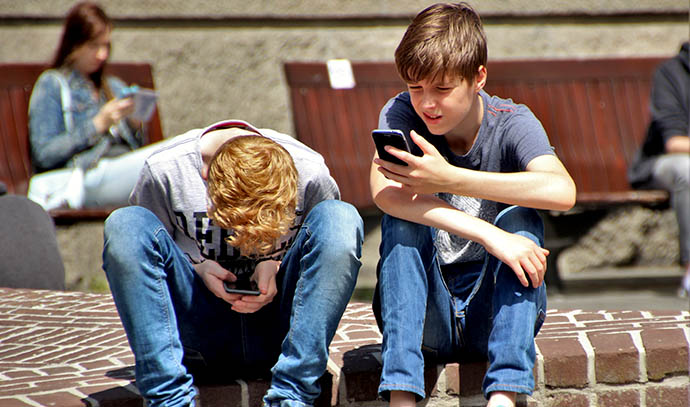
[[68, 349]]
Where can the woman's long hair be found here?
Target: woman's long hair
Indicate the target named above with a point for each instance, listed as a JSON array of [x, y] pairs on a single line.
[[84, 22]]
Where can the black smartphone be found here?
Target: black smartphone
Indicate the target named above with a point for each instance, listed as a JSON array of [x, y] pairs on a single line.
[[394, 138], [242, 286]]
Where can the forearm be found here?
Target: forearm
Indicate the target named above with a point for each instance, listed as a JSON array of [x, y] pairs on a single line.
[[431, 211], [678, 144], [532, 189]]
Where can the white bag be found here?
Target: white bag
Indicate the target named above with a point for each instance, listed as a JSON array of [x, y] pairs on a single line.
[[62, 188]]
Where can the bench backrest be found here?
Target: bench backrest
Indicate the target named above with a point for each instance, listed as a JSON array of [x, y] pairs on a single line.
[[16, 83], [595, 113]]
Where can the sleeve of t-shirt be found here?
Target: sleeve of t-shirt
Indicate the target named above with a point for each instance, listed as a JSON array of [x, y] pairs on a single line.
[[398, 114], [320, 187], [150, 193], [525, 139]]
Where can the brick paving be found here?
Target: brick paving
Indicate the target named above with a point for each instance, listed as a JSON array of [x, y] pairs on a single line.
[[68, 349]]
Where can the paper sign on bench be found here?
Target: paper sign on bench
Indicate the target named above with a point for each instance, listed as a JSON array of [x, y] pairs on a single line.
[[340, 74]]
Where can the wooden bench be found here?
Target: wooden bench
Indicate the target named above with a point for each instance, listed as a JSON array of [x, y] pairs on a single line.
[[16, 82], [595, 112]]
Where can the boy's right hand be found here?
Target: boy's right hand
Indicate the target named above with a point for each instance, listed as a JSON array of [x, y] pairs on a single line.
[[213, 275], [522, 255], [426, 174]]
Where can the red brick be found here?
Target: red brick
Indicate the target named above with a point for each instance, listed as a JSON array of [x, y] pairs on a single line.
[[565, 362], [556, 318], [667, 352], [30, 374], [590, 316], [618, 398], [663, 396], [616, 359], [12, 402], [568, 399], [627, 315], [61, 399]]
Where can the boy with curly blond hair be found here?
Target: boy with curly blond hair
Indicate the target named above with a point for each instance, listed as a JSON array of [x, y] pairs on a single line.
[[213, 206], [462, 265]]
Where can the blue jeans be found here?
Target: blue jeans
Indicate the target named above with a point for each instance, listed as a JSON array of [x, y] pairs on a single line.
[[176, 327], [460, 312]]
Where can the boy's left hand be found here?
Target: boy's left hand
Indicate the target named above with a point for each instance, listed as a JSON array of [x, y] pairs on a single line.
[[265, 277], [522, 255], [427, 174]]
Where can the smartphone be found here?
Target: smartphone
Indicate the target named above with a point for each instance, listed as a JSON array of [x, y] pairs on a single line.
[[242, 286], [394, 138], [129, 91]]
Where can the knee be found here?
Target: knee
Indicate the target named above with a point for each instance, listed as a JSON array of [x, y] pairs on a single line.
[[125, 221], [400, 231], [522, 221], [125, 229], [681, 172], [338, 224]]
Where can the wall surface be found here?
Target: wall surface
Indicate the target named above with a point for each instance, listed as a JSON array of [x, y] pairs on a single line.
[[219, 59], [216, 59]]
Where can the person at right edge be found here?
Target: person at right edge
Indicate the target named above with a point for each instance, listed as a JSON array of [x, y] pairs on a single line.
[[461, 273], [663, 161]]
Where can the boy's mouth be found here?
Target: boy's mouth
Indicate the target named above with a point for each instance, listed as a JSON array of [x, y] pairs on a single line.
[[432, 117]]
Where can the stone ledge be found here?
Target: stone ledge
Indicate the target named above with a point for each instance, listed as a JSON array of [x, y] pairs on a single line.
[[68, 349]]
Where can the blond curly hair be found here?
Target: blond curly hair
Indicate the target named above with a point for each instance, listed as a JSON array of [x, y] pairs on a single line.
[[252, 188]]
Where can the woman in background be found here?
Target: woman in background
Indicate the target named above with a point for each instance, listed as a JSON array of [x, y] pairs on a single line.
[[84, 148]]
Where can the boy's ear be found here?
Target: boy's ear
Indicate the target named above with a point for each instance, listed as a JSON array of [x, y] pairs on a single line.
[[480, 78], [204, 172]]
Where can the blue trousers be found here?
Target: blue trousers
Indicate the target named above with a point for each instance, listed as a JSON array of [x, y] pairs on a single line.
[[459, 312], [170, 316]]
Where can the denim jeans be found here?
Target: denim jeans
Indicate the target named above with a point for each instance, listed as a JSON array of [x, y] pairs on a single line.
[[460, 312], [170, 316]]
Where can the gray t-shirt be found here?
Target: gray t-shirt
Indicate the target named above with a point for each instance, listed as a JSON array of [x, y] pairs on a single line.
[[510, 136], [171, 187]]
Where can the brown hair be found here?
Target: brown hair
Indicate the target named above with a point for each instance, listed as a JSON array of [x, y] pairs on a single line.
[[84, 22], [443, 39], [252, 188]]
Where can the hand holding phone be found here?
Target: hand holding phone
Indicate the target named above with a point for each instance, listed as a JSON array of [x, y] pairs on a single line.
[[395, 138], [243, 286]]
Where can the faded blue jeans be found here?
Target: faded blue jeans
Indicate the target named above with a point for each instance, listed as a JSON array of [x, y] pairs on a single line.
[[460, 312], [178, 329]]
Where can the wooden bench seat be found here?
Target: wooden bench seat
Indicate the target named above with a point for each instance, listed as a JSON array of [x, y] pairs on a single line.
[[595, 112], [16, 82]]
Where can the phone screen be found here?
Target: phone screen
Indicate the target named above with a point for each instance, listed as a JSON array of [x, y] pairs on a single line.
[[394, 138]]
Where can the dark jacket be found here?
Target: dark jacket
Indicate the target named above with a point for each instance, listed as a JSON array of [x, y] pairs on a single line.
[[669, 114]]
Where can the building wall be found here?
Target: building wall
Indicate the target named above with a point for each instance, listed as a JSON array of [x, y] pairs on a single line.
[[220, 59], [216, 59]]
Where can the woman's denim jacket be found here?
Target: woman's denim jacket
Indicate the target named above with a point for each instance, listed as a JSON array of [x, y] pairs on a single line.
[[52, 144]]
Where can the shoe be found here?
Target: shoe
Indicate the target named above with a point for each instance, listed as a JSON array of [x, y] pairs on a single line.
[[684, 289]]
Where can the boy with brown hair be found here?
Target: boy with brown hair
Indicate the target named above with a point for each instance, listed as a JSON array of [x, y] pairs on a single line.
[[462, 265], [213, 206]]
